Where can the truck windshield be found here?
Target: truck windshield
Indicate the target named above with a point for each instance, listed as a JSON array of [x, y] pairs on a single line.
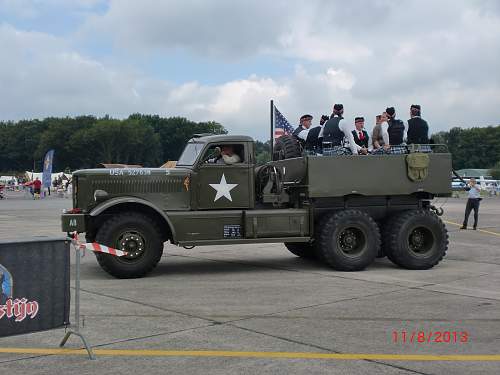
[[190, 153]]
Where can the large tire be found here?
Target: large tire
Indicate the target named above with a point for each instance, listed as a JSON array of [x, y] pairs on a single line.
[[382, 225], [385, 231], [416, 239], [348, 240], [301, 249], [135, 233], [286, 147]]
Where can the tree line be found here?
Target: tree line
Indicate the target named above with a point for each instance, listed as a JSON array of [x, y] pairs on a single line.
[[473, 147], [86, 141], [151, 140]]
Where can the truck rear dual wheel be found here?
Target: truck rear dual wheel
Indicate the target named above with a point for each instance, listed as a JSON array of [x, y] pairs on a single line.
[[348, 240], [381, 252], [139, 236], [415, 239]]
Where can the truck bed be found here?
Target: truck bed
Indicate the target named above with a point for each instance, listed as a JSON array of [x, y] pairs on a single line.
[[373, 175]]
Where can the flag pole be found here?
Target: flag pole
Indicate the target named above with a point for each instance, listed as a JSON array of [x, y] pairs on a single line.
[[271, 139]]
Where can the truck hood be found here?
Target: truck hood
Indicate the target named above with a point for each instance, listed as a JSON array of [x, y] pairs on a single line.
[[166, 188]]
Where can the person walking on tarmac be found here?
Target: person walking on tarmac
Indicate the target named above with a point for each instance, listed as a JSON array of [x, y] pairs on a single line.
[[472, 203], [396, 131], [37, 187], [335, 131], [418, 129]]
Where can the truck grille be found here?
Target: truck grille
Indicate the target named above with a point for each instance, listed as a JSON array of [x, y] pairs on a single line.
[[138, 186]]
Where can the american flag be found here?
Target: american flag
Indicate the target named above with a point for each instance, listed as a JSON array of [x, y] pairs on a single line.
[[281, 124]]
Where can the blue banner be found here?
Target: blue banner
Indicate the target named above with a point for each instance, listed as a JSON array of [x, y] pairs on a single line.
[[47, 168]]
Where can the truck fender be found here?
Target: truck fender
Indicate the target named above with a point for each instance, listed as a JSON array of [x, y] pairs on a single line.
[[121, 200]]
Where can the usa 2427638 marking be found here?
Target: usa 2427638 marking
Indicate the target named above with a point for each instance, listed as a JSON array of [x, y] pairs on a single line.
[[130, 172]]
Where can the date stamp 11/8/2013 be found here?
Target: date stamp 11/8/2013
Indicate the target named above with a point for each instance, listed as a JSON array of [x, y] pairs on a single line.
[[429, 337]]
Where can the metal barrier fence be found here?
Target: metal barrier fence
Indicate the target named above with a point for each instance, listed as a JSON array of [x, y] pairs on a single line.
[[35, 287]]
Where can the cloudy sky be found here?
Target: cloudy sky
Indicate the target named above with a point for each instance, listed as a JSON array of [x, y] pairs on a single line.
[[224, 60]]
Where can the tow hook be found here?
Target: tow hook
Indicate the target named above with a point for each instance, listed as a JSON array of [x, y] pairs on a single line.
[[438, 211]]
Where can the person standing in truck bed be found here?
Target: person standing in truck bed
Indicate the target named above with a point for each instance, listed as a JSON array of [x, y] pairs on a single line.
[[377, 138], [418, 129], [335, 131], [303, 129], [359, 134], [308, 135], [319, 140], [396, 131], [380, 133]]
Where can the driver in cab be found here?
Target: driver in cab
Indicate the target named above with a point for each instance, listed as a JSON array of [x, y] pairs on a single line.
[[226, 156]]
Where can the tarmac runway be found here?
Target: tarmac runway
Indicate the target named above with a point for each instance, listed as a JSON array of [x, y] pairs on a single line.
[[258, 309]]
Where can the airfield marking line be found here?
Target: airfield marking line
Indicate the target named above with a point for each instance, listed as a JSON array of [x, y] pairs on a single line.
[[478, 230], [248, 354]]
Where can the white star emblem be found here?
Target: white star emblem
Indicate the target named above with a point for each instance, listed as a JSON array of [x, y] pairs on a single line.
[[223, 189]]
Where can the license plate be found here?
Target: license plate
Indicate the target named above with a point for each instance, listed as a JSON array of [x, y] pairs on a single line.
[[73, 222]]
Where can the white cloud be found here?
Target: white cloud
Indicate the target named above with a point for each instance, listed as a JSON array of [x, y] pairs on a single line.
[[310, 45], [51, 79], [45, 77], [367, 55], [222, 28], [396, 45], [233, 98], [30, 9], [19, 8]]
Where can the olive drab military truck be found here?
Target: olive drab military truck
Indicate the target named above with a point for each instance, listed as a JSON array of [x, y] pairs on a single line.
[[342, 210]]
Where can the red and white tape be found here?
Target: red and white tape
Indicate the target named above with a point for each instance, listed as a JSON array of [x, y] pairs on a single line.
[[97, 248]]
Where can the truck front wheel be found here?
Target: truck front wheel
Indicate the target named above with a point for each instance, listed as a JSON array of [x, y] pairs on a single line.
[[136, 234], [416, 239], [348, 240], [301, 249]]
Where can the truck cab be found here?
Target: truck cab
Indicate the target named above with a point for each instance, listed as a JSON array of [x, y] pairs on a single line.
[[214, 183]]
